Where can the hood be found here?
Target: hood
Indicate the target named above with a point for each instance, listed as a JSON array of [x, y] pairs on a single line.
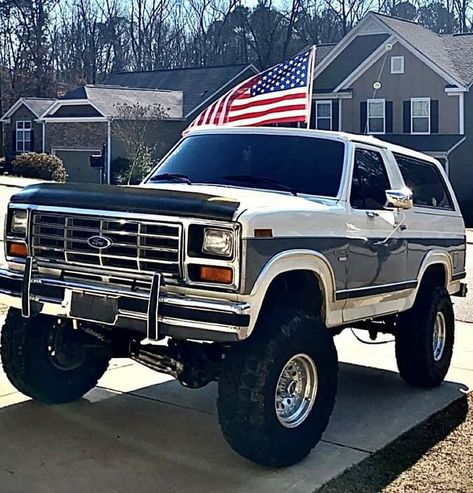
[[251, 200], [174, 199], [139, 200]]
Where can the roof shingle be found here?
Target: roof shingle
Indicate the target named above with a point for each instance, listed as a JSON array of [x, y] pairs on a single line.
[[107, 99], [197, 83]]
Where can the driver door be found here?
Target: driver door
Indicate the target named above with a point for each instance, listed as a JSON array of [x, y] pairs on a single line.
[[377, 255]]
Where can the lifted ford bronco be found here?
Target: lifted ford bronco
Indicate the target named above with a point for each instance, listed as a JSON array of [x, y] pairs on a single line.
[[237, 260]]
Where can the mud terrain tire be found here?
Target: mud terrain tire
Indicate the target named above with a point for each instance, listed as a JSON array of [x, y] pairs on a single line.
[[44, 368], [251, 375]]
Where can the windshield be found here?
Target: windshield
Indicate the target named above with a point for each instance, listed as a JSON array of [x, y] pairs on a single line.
[[305, 165]]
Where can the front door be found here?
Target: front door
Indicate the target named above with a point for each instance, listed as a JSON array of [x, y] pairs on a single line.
[[377, 254]]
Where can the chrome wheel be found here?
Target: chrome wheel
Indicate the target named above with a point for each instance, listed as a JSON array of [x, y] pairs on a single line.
[[440, 334], [296, 390]]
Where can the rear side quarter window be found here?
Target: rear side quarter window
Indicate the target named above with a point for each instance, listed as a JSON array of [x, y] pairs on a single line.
[[427, 184]]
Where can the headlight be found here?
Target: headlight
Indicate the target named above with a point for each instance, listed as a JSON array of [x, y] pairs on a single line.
[[218, 242], [19, 220]]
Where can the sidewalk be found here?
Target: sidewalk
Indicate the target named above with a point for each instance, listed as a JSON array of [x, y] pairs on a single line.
[[17, 181]]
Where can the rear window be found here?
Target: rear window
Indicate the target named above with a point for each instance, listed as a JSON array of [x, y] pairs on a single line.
[[426, 182], [305, 164]]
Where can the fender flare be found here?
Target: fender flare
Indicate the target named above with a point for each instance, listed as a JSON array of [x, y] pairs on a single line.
[[291, 260], [436, 257]]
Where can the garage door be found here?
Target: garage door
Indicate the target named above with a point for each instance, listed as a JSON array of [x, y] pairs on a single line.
[[77, 164]]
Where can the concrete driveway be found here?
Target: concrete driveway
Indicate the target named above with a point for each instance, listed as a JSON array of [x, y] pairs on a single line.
[[141, 431]]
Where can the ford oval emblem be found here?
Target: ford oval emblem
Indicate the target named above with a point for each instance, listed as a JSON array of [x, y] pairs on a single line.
[[99, 242]]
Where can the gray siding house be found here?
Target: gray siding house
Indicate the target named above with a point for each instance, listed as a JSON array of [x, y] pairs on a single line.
[[405, 84], [81, 123]]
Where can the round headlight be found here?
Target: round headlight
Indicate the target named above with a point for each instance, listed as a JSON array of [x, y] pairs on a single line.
[[218, 242], [19, 221]]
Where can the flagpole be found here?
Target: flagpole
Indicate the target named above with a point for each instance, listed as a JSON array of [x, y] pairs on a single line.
[[311, 82]]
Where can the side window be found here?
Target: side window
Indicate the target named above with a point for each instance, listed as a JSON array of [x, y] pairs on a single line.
[[370, 181], [426, 183]]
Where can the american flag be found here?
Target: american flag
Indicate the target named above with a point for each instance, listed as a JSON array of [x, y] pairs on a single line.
[[280, 94]]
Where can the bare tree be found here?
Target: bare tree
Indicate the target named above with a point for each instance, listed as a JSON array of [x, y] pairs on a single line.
[[44, 43], [131, 127]]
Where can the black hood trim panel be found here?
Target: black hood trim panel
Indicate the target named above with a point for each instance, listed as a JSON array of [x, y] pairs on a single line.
[[138, 200]]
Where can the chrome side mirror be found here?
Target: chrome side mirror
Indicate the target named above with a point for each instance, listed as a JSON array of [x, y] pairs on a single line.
[[400, 199]]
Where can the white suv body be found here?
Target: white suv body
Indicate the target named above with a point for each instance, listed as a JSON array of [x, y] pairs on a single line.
[[235, 224]]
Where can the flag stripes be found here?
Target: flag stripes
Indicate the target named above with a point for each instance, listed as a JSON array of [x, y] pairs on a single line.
[[278, 95]]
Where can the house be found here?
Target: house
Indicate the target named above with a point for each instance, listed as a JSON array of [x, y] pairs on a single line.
[[23, 130], [81, 123], [400, 81]]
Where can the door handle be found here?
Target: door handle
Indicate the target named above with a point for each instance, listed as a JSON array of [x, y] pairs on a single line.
[[402, 227], [372, 214]]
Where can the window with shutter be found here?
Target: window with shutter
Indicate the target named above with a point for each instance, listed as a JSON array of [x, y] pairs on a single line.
[[376, 116], [420, 115]]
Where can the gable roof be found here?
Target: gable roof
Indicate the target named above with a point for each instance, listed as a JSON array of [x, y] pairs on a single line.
[[450, 55], [37, 106], [104, 99], [198, 84], [346, 60]]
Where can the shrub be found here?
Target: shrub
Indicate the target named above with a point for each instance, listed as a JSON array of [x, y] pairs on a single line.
[[119, 168], [132, 172], [38, 165]]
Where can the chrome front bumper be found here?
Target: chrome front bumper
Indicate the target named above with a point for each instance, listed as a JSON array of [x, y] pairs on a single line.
[[156, 314]]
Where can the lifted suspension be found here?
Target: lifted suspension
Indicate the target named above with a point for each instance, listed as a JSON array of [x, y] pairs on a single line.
[[193, 364]]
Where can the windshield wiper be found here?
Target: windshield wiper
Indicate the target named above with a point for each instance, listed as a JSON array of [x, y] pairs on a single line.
[[261, 180], [173, 177]]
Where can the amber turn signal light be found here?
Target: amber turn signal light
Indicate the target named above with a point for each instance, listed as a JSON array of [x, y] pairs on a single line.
[[222, 275], [17, 249]]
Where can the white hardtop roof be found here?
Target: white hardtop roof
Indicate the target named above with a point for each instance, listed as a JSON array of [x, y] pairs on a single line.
[[323, 134]]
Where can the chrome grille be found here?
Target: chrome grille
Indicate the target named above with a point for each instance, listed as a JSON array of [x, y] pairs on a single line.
[[136, 245]]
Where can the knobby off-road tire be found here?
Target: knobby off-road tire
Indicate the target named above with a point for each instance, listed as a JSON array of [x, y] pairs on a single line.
[[49, 361], [422, 358], [249, 381]]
